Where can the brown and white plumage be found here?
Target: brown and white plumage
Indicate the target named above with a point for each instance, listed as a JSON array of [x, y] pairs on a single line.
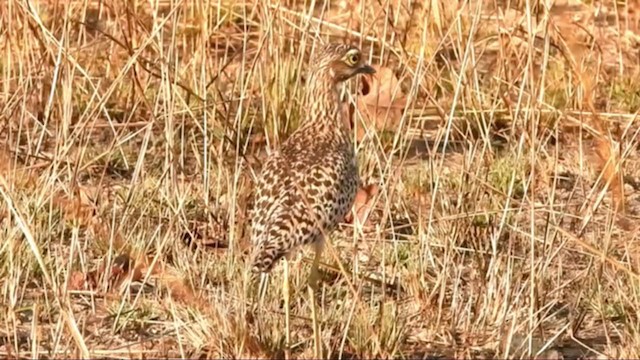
[[307, 188]]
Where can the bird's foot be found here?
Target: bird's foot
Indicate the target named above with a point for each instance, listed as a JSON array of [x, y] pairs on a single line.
[[314, 280]]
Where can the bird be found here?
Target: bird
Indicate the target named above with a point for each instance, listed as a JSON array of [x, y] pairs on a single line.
[[306, 188]]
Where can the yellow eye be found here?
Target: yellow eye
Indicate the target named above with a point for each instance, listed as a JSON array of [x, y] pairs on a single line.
[[352, 58]]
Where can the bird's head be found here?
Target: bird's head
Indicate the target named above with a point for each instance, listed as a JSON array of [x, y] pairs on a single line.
[[340, 62]]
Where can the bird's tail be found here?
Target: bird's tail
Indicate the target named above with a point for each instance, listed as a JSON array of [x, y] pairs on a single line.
[[266, 258]]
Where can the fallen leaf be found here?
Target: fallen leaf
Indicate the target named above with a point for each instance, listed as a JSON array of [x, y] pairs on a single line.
[[382, 101], [77, 281], [174, 281], [78, 206], [116, 275], [126, 270], [167, 276], [363, 204]]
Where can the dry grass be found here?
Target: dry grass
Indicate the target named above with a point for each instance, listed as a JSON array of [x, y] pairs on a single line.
[[505, 169]]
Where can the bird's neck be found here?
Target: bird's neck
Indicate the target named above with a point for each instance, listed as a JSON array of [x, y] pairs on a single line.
[[323, 103]]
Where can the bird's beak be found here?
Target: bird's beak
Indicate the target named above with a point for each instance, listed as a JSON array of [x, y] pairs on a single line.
[[366, 69]]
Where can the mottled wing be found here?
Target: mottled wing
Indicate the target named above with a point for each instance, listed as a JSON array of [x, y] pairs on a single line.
[[267, 196], [297, 202]]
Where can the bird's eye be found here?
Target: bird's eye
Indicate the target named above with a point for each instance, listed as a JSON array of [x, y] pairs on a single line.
[[353, 58]]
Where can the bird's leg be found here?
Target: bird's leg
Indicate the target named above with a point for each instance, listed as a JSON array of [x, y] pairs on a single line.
[[314, 276], [316, 325], [285, 293], [313, 286]]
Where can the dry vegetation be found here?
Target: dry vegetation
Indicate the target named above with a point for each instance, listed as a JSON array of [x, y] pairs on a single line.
[[498, 142]]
